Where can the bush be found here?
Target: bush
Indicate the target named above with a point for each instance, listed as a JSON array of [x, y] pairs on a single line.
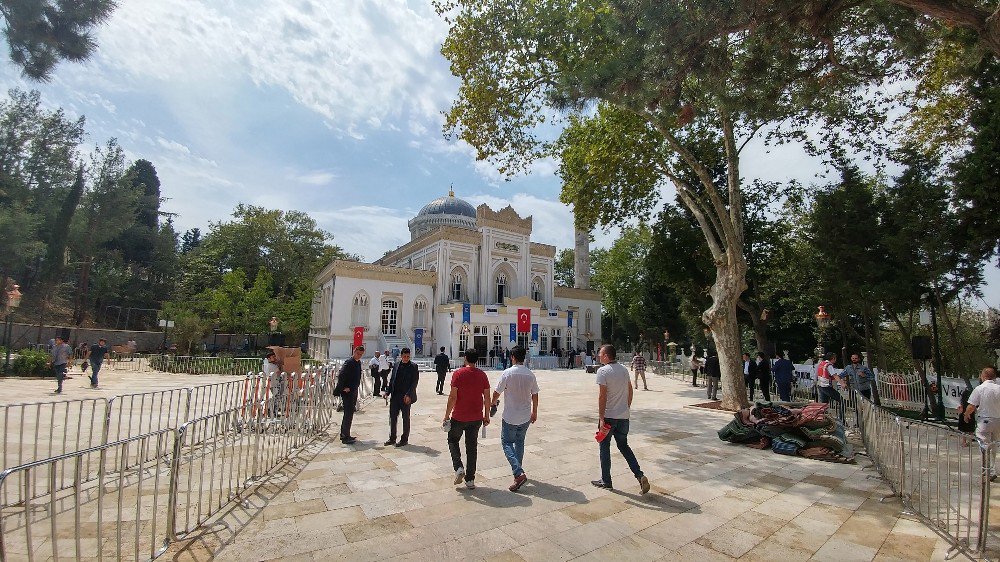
[[31, 363]]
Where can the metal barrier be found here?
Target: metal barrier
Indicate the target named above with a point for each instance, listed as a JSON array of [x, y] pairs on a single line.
[[119, 512], [147, 490], [941, 475]]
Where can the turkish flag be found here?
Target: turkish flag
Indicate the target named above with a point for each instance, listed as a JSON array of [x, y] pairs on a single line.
[[524, 320], [359, 337]]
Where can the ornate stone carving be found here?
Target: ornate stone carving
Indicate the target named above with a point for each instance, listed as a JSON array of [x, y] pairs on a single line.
[[360, 270], [543, 250], [506, 219]]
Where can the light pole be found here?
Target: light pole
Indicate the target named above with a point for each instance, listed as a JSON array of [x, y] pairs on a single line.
[[13, 300], [822, 321]]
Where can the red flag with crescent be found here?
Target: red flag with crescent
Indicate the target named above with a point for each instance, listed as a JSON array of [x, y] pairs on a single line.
[[359, 337], [524, 320]]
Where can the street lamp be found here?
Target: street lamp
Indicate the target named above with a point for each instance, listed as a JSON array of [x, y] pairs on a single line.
[[13, 301], [822, 321]]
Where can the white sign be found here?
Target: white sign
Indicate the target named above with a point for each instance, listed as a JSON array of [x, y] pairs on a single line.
[[492, 310], [166, 323]]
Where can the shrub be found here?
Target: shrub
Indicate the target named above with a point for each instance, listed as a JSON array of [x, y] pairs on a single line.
[[31, 363]]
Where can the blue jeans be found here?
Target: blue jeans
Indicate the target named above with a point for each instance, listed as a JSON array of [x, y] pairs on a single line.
[[95, 367], [619, 430], [512, 440], [60, 371]]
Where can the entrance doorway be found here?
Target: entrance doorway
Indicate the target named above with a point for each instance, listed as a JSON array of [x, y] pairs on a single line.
[[390, 316]]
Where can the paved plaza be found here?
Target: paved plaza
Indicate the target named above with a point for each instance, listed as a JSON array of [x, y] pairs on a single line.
[[709, 500]]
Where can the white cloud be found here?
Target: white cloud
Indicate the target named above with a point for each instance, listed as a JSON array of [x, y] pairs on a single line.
[[368, 231], [173, 146], [315, 178]]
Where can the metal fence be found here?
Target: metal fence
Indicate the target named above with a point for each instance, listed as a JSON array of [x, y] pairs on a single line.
[[128, 498], [942, 475]]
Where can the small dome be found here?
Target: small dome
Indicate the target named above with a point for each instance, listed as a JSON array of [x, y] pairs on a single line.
[[449, 205]]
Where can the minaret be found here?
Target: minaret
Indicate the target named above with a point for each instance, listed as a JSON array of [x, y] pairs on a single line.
[[581, 262]]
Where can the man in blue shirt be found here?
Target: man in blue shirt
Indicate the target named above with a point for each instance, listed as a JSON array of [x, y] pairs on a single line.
[[861, 378], [784, 375]]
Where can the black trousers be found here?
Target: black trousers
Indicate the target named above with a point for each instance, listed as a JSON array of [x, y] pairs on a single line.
[[440, 384], [376, 381], [765, 387], [470, 429], [396, 407], [350, 403], [751, 383], [384, 375]]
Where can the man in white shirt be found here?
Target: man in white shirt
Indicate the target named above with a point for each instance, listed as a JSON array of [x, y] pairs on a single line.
[[614, 401], [985, 400], [272, 372], [520, 394], [374, 369], [383, 372]]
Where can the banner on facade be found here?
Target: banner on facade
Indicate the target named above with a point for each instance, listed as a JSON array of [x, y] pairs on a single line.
[[553, 313], [359, 337], [569, 316], [524, 320], [418, 341], [534, 332], [466, 313], [492, 310], [513, 332]]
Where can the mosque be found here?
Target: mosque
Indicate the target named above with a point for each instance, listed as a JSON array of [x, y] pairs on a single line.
[[469, 277]]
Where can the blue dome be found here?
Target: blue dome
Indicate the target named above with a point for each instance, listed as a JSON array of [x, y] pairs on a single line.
[[449, 205]]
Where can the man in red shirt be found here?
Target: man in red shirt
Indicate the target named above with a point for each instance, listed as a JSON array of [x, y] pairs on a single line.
[[468, 410]]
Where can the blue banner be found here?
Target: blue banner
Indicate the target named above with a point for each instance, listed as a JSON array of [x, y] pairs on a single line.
[[513, 332], [534, 332], [418, 340], [569, 315], [466, 313]]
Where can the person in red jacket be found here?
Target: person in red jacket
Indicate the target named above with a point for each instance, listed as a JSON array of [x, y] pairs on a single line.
[[468, 409]]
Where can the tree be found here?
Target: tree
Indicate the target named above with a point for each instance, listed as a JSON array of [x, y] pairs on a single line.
[[564, 271], [977, 16], [663, 77], [40, 33]]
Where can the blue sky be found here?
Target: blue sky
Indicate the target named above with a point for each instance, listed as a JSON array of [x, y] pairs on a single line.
[[329, 107]]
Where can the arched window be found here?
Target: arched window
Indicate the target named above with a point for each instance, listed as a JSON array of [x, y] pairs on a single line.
[[497, 338], [420, 313], [543, 336], [538, 291], [588, 320], [501, 287], [359, 310], [457, 285]]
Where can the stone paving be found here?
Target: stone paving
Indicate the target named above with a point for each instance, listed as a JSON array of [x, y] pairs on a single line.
[[709, 500]]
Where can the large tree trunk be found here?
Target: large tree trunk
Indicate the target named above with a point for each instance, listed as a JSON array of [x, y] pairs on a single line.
[[730, 282]]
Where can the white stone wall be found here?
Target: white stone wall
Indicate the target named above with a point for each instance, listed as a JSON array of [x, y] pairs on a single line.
[[579, 308]]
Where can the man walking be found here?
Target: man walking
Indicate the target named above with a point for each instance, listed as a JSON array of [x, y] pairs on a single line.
[[96, 358], [348, 382], [395, 353], [614, 400], [373, 369], [60, 360], [441, 364], [784, 375], [468, 409], [402, 393], [383, 371], [639, 368], [861, 378], [713, 374], [985, 400], [520, 394]]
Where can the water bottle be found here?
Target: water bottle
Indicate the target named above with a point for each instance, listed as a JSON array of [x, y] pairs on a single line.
[[484, 432]]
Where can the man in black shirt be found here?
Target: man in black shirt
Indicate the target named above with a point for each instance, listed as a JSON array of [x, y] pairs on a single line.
[[441, 365], [402, 393], [96, 357], [348, 382]]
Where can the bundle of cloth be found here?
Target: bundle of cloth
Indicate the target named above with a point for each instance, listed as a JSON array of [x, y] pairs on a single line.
[[806, 430]]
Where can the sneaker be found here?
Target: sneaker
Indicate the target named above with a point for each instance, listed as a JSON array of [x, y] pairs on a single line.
[[470, 484], [518, 482], [459, 475], [643, 484], [601, 484]]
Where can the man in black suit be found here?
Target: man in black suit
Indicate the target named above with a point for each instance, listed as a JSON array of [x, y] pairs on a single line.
[[441, 364], [348, 382], [402, 394]]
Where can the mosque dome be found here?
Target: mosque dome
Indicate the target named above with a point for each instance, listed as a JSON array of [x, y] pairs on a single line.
[[443, 211], [448, 205]]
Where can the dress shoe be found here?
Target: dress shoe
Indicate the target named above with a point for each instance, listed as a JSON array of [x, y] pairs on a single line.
[[348, 441], [389, 442], [401, 444]]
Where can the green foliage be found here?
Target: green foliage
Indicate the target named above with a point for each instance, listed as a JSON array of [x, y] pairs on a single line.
[[31, 363], [40, 33], [564, 268]]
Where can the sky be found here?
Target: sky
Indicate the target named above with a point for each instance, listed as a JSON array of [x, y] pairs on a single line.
[[330, 107]]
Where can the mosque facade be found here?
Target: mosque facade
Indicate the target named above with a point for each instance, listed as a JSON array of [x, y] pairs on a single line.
[[468, 277]]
